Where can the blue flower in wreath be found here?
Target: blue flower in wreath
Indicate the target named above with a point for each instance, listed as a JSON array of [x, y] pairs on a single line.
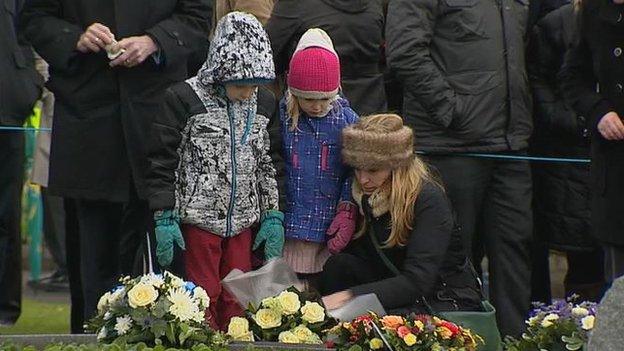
[[189, 286]]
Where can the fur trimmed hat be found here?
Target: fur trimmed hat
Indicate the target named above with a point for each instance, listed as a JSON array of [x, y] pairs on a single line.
[[378, 142]]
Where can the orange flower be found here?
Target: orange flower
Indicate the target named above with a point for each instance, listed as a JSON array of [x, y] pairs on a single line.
[[444, 332], [392, 322]]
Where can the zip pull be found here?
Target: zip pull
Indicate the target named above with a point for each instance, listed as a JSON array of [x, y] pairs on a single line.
[[248, 123]]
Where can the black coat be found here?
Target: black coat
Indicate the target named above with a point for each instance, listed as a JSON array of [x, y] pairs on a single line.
[[102, 115], [20, 85], [561, 190], [356, 29], [432, 264], [462, 66], [597, 56]]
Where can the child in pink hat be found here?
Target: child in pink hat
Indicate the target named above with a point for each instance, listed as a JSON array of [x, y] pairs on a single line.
[[320, 216]]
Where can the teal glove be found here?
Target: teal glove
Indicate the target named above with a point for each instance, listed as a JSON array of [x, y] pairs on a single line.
[[271, 233], [167, 232]]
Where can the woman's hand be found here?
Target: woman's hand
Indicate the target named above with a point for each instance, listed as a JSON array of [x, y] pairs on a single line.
[[337, 300]]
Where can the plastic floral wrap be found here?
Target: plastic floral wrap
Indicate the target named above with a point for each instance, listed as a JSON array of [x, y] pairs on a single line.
[[290, 317], [396, 333], [563, 325], [154, 309]]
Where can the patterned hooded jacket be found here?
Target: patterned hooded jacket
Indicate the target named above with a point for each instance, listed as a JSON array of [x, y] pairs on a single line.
[[210, 156]]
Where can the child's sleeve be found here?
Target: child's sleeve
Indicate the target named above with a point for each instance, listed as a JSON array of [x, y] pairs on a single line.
[[267, 175], [164, 140], [350, 117]]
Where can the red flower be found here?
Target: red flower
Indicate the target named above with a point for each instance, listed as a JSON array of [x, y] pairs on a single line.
[[450, 326], [402, 331], [330, 344]]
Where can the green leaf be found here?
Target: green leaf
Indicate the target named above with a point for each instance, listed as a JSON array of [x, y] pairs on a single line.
[[159, 328], [170, 333]]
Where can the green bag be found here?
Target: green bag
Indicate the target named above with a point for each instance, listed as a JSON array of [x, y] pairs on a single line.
[[483, 323]]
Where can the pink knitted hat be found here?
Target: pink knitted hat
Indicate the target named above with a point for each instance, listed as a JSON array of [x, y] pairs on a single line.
[[314, 73]]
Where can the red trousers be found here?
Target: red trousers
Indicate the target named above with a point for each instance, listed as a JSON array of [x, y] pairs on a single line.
[[208, 258]]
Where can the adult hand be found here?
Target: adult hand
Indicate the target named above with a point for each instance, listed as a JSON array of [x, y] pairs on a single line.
[[337, 300], [136, 50], [611, 127], [95, 38]]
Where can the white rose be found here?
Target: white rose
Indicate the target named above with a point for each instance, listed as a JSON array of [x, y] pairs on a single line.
[[142, 295], [580, 311], [588, 322], [103, 302], [313, 312], [548, 320]]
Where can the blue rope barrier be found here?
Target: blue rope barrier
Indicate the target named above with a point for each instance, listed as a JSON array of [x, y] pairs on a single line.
[[510, 157], [25, 129], [467, 154]]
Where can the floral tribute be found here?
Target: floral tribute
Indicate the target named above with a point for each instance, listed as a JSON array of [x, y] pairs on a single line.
[[396, 333], [562, 325], [154, 309], [292, 317]]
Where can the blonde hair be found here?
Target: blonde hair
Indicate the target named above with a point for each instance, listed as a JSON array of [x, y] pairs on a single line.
[[294, 111], [403, 185]]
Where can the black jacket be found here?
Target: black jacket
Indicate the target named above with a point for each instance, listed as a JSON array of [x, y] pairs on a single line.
[[597, 56], [20, 85], [462, 66], [102, 114], [561, 190], [356, 29], [432, 264]]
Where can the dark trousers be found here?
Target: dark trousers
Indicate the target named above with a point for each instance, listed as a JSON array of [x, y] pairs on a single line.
[[110, 239], [11, 181], [492, 200], [54, 228], [72, 250], [614, 262]]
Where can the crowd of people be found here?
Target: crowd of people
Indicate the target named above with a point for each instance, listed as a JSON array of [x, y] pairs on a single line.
[[214, 140]]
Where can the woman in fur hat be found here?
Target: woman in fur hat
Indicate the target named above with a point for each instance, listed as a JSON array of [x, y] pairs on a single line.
[[407, 250]]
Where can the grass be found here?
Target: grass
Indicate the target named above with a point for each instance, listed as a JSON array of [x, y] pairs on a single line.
[[40, 318]]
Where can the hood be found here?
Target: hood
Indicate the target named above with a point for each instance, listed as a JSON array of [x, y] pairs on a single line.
[[350, 6], [239, 51]]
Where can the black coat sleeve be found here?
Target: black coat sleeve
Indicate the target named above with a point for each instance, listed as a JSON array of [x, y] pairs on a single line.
[[179, 104], [544, 61], [53, 38], [426, 251], [579, 82], [409, 29], [282, 29], [184, 32], [268, 106]]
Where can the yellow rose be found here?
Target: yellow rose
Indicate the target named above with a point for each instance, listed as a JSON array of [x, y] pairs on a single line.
[[238, 329], [376, 344], [268, 318], [588, 322], [410, 339], [580, 311], [302, 332], [142, 295], [548, 320], [288, 337], [313, 312], [289, 301], [103, 302]]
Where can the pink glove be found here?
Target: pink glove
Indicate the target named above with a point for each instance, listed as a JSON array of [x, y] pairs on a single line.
[[342, 227]]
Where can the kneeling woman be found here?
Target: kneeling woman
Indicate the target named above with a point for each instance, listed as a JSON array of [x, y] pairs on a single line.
[[407, 250]]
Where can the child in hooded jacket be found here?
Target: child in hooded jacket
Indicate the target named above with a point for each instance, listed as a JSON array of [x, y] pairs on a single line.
[[320, 217], [211, 166]]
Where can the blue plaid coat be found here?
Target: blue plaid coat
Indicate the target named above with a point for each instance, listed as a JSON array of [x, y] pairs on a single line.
[[316, 179]]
